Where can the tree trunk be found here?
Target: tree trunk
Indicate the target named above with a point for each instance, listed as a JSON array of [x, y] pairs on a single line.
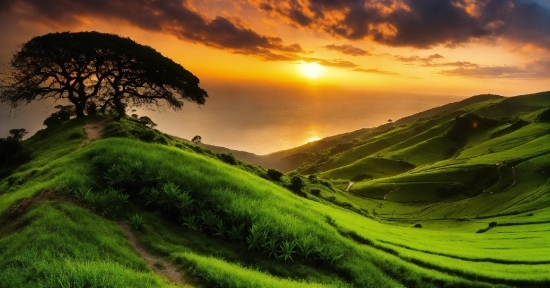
[[79, 109]]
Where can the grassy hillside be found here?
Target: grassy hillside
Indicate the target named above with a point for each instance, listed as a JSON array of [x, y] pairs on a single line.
[[477, 217]]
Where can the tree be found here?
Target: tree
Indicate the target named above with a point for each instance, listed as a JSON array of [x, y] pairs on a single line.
[[196, 139], [64, 114], [389, 120], [18, 134], [105, 69], [146, 121]]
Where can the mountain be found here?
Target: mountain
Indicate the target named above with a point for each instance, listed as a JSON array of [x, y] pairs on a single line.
[[139, 208]]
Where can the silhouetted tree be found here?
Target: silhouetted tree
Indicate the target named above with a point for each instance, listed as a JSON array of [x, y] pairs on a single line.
[[18, 134], [103, 68], [389, 120], [64, 114], [146, 121], [196, 139]]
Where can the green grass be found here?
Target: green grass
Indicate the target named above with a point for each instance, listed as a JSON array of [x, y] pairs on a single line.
[[57, 244], [222, 223]]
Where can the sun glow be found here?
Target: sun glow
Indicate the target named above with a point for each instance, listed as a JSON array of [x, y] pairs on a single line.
[[313, 139], [311, 70]]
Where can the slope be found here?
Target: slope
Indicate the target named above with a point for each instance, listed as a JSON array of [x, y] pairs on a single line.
[[223, 225]]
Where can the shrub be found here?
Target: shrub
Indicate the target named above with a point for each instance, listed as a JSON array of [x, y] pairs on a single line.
[[296, 184], [147, 135], [316, 192], [286, 249], [227, 158], [492, 224], [136, 221], [161, 140], [417, 225], [108, 203], [274, 174]]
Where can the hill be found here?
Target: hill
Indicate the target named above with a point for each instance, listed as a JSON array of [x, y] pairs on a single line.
[[123, 209]]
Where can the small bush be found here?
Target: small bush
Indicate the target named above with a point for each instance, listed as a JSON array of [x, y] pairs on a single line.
[[108, 203], [274, 174], [492, 224], [147, 135], [227, 158], [417, 225], [136, 221], [296, 184], [316, 192], [161, 140]]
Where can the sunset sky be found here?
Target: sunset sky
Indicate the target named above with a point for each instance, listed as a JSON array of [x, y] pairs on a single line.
[[264, 56]]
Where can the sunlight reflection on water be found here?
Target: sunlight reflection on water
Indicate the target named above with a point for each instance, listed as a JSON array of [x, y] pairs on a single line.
[[263, 118], [268, 120]]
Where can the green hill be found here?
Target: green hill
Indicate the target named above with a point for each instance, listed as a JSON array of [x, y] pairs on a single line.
[[139, 208]]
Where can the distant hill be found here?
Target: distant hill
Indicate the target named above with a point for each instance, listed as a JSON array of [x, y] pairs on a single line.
[[290, 159]]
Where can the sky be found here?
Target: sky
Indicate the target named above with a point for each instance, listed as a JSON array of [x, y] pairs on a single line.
[[273, 68]]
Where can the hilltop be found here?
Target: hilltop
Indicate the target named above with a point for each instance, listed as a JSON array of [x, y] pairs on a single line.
[[457, 196]]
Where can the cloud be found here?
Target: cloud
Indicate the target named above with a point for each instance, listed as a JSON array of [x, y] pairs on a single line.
[[433, 60], [539, 69], [348, 50], [335, 63], [374, 71], [174, 17], [418, 23]]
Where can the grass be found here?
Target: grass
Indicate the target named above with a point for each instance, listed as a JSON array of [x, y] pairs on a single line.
[[58, 244], [225, 223]]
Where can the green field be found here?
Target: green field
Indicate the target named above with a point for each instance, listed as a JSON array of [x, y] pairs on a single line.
[[419, 214]]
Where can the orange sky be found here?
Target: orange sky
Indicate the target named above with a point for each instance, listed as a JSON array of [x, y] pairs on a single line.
[[435, 47]]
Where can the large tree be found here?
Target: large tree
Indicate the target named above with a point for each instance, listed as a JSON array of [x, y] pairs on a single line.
[[103, 69]]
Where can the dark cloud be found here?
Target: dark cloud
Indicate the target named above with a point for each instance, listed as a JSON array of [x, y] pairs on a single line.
[[374, 71], [348, 50], [535, 70], [419, 23], [175, 17]]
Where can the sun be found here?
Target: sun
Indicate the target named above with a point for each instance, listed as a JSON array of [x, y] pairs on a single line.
[[311, 70]]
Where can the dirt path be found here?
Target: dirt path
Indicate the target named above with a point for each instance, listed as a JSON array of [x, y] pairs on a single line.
[[349, 185], [158, 265], [390, 192], [93, 132]]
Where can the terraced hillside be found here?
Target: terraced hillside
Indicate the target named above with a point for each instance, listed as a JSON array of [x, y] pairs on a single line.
[[417, 215]]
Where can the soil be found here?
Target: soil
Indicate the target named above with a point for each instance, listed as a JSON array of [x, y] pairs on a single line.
[[93, 132], [159, 265]]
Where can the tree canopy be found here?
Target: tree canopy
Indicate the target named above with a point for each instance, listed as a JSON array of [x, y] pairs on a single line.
[[98, 69]]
